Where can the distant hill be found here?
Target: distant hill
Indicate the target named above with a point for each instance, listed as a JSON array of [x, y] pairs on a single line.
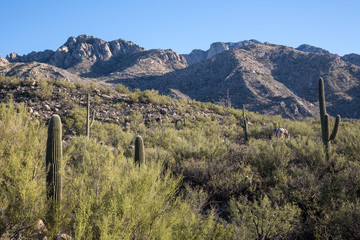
[[267, 78]]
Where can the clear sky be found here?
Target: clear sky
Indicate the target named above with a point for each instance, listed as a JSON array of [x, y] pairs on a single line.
[[182, 25]]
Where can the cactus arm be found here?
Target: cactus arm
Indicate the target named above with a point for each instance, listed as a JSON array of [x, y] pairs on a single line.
[[92, 119], [336, 128], [326, 132]]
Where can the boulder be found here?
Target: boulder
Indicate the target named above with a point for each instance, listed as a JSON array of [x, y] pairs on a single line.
[[281, 133]]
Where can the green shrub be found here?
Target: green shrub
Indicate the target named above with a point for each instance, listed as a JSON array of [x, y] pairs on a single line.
[[122, 89], [113, 199], [22, 164], [44, 89], [263, 218]]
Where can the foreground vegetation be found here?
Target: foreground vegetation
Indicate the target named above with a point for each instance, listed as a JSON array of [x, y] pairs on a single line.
[[201, 180]]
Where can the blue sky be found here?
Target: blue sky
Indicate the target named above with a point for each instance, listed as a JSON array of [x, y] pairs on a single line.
[[180, 25]]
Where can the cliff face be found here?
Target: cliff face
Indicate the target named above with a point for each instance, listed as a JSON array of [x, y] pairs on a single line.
[[75, 50]]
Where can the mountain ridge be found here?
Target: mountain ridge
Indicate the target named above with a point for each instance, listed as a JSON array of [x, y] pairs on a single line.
[[268, 78]]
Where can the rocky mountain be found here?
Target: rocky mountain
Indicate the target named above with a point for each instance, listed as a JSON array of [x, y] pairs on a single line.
[[87, 57], [79, 50], [267, 78]]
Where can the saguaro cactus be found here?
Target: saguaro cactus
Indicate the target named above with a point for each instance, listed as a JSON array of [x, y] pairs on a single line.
[[244, 124], [324, 118], [139, 151], [228, 100], [88, 122], [53, 165]]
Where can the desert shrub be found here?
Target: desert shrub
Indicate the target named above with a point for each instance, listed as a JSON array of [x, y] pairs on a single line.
[[64, 84], [136, 120], [122, 89], [113, 199], [135, 95], [10, 82], [300, 128], [263, 218], [76, 120], [106, 90], [348, 141], [270, 158], [44, 89], [307, 152], [345, 222], [22, 181]]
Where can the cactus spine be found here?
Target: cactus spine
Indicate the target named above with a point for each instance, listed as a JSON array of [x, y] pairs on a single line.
[[244, 124], [139, 151], [88, 122], [53, 166], [324, 118]]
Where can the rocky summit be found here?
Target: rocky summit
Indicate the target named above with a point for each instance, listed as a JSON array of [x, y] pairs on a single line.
[[267, 78]]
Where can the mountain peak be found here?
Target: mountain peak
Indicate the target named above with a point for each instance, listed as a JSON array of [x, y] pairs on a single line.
[[312, 49], [83, 48], [198, 55]]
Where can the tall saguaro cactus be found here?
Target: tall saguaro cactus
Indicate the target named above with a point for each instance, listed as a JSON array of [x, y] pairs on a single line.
[[88, 122], [324, 118], [244, 124], [53, 166], [139, 151]]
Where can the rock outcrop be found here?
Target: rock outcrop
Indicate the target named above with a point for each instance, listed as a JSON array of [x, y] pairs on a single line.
[[198, 55], [75, 50], [281, 133], [3, 61]]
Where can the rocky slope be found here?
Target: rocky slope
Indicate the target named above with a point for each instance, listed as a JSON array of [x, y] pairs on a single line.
[[46, 97]]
